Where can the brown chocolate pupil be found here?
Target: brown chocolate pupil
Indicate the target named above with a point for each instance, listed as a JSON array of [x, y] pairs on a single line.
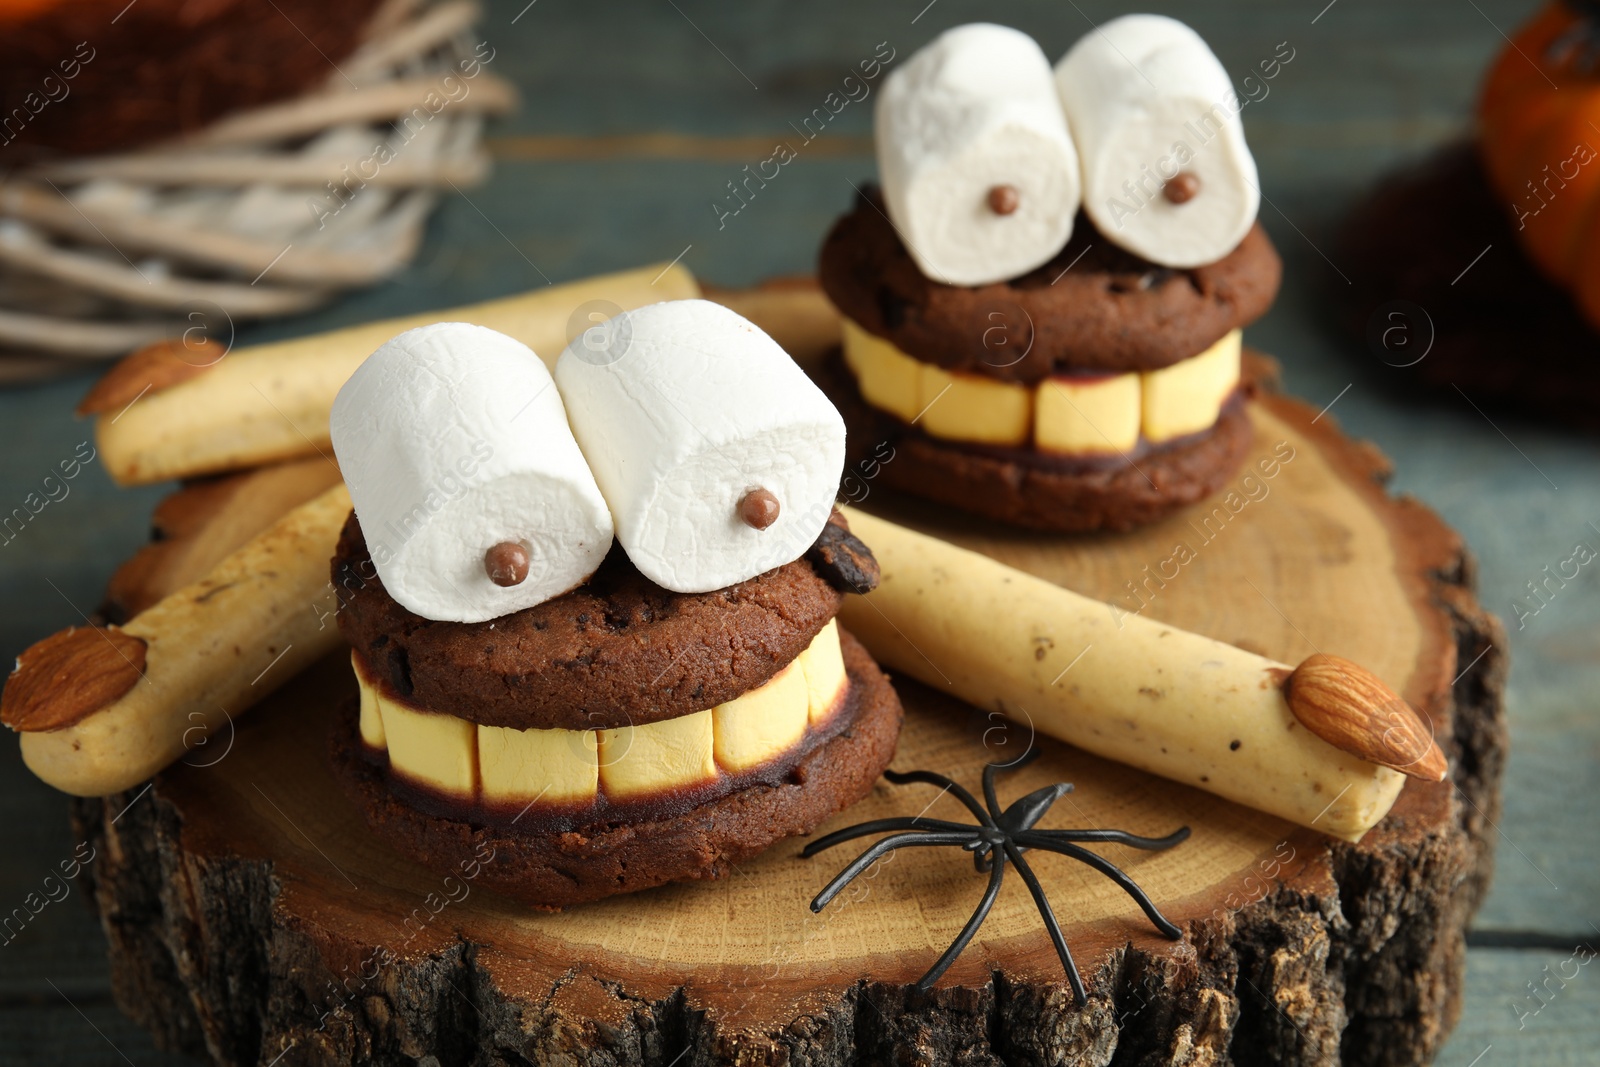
[[758, 508], [1004, 199], [1181, 188], [507, 564]]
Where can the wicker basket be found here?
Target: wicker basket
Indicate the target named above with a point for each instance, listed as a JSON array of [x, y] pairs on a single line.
[[266, 212]]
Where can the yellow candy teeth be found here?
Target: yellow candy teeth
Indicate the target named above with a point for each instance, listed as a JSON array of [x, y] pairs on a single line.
[[440, 751], [971, 407], [504, 766], [1086, 415], [525, 766], [1187, 397], [1065, 415], [371, 720], [640, 760], [763, 723], [888, 379], [823, 664]]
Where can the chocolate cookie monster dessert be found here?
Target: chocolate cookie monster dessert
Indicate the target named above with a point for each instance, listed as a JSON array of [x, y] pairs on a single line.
[[599, 717], [1043, 304]]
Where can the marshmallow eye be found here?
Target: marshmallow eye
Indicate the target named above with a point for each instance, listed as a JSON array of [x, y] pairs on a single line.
[[718, 457], [701, 447], [1166, 171], [473, 496], [985, 154], [979, 169]]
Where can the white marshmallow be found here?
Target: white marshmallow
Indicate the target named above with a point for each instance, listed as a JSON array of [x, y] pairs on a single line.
[[692, 408], [452, 438], [1146, 99], [975, 109]]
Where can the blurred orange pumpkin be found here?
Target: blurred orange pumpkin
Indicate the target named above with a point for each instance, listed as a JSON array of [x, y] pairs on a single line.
[[1539, 137]]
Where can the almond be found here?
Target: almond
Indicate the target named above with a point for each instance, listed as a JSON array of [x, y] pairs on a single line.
[[69, 676], [152, 368], [1347, 706]]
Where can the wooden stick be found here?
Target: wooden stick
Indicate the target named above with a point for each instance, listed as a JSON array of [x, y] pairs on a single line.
[[26, 251], [434, 28], [305, 263], [312, 114], [74, 338], [15, 369], [234, 169], [271, 402]]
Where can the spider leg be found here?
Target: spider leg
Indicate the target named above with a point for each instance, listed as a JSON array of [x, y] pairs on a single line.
[[989, 793], [955, 789], [1119, 837], [983, 856], [1111, 871], [871, 856], [1049, 916], [992, 769], [964, 938], [878, 826]]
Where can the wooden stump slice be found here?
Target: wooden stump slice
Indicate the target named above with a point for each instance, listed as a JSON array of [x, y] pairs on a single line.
[[252, 916]]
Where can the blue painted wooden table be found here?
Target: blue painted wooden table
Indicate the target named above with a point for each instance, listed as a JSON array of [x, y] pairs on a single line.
[[636, 116]]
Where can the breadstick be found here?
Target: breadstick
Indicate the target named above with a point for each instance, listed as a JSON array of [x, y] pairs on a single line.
[[198, 526], [1140, 692], [180, 670], [271, 402]]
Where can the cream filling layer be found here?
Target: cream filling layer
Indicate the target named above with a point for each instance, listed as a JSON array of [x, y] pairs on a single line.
[[1066, 414], [505, 766]]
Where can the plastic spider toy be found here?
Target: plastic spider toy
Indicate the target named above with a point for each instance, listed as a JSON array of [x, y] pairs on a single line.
[[1000, 836]]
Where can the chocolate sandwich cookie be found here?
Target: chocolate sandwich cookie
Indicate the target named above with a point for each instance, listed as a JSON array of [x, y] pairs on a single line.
[[1026, 487], [1092, 307], [1098, 392], [1042, 310], [618, 736], [608, 666]]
